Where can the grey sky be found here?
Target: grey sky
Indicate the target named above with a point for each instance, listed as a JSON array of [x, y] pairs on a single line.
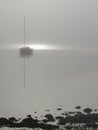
[[68, 77]]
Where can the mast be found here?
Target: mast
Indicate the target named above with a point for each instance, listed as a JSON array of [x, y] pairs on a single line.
[[24, 31]]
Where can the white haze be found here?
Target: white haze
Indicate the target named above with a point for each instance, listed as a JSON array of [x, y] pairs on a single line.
[[68, 77]]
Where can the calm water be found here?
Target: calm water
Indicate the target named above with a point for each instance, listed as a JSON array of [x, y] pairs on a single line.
[[5, 128]]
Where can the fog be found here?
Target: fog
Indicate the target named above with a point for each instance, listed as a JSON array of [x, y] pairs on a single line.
[[68, 76]]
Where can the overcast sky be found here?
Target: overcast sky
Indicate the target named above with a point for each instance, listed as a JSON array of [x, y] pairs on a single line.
[[69, 76]]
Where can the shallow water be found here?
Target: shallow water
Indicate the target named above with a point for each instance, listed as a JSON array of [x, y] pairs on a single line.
[[5, 128]]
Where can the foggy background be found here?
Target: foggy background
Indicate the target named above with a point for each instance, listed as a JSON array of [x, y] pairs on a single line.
[[68, 77]]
